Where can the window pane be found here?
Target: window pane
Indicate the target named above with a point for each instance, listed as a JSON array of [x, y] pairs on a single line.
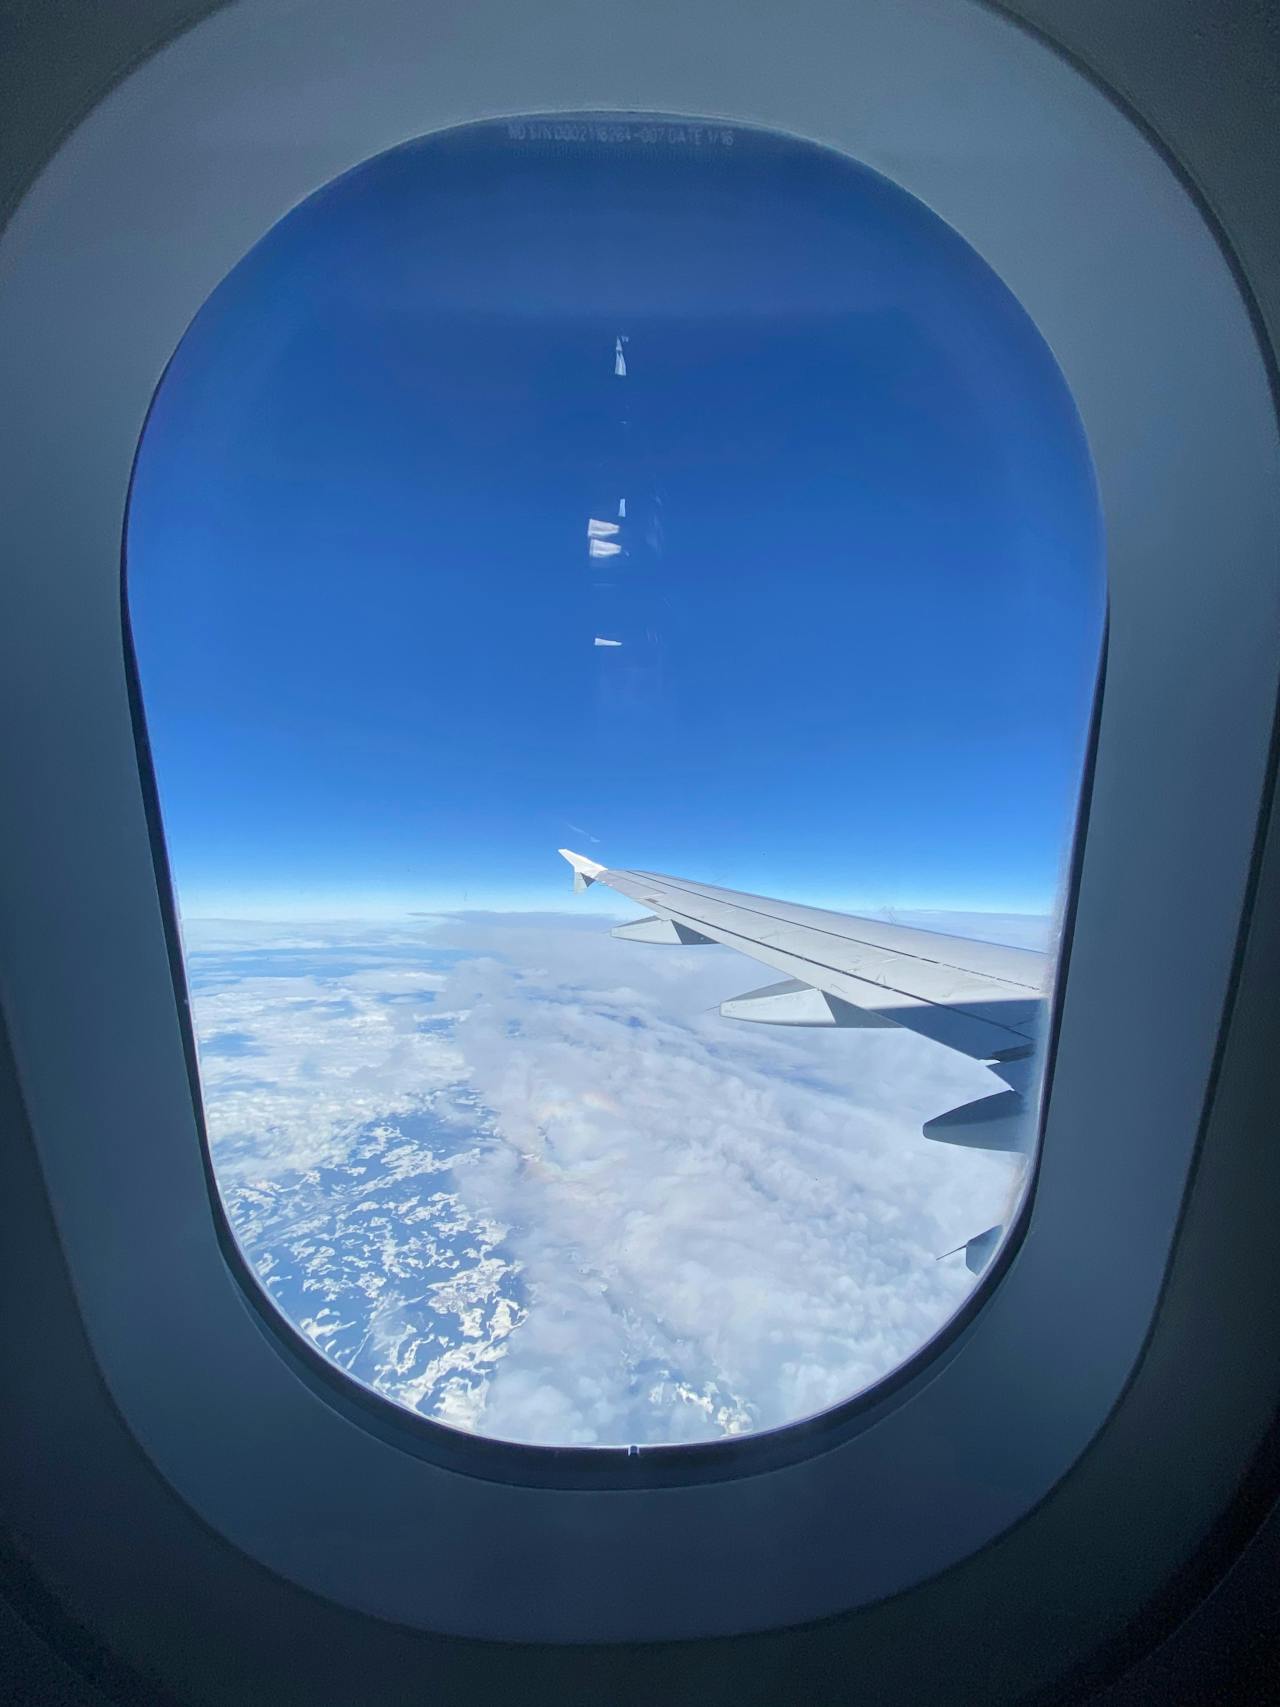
[[694, 499]]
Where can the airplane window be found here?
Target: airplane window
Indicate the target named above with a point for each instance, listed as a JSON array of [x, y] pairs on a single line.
[[693, 503]]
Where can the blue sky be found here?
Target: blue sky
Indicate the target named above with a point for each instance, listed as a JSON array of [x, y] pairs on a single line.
[[861, 594]]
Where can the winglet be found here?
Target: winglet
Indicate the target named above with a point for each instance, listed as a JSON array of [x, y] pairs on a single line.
[[585, 871]]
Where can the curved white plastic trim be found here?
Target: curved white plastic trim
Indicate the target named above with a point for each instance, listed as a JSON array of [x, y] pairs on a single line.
[[156, 196]]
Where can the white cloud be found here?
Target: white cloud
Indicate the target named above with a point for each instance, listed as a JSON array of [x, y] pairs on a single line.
[[749, 1218], [543, 1192], [291, 1067]]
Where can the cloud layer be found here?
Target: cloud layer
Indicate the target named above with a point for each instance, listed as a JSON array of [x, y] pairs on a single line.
[[514, 1173]]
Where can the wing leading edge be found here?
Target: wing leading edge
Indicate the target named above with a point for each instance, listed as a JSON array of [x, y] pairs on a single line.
[[982, 999]]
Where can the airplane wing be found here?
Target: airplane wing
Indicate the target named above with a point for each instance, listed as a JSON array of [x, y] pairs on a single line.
[[982, 999]]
